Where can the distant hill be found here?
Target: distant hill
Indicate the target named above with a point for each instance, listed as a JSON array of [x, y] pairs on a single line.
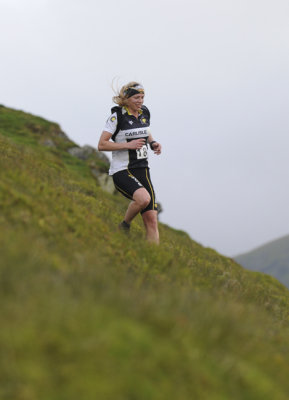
[[271, 258], [88, 313]]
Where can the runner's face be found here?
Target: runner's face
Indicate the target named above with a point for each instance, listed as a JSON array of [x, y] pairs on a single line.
[[135, 102]]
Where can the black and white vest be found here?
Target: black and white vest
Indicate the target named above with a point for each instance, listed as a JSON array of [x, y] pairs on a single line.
[[125, 127]]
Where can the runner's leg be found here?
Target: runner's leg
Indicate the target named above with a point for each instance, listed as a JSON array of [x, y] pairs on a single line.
[[141, 199], [150, 219]]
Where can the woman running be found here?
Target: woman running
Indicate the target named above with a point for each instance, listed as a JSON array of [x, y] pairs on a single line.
[[127, 135]]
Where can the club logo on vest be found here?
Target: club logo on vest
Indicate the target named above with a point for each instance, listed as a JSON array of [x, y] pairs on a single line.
[[136, 133]]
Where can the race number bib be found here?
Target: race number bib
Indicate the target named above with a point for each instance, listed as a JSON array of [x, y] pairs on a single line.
[[142, 153]]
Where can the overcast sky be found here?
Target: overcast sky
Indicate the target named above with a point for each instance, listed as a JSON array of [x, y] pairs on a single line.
[[216, 74]]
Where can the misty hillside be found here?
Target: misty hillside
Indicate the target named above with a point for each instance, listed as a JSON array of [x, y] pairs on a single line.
[[87, 313], [271, 258]]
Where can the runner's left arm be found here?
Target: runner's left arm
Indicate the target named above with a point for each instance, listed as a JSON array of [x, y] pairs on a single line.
[[157, 147]]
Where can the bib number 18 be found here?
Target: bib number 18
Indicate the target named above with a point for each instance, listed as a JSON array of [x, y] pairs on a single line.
[[142, 153]]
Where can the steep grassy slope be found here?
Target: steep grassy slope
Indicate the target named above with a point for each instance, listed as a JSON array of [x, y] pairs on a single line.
[[272, 258], [87, 313]]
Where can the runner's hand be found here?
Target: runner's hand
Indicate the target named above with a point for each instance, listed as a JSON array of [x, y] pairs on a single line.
[[157, 147], [136, 144]]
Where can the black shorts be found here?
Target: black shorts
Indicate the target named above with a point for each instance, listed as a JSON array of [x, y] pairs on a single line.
[[129, 180]]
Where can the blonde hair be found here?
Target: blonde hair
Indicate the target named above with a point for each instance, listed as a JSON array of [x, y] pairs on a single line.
[[121, 97]]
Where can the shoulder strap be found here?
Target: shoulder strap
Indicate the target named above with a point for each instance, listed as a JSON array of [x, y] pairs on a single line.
[[118, 111], [146, 110]]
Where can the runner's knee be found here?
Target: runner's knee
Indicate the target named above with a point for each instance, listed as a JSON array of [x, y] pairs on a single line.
[[142, 198], [145, 201]]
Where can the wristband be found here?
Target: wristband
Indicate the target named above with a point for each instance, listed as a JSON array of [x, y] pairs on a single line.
[[151, 144]]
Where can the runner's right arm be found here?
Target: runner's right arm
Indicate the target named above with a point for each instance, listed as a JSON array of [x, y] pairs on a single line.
[[105, 144]]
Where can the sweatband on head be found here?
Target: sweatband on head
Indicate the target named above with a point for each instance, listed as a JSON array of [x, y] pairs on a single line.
[[131, 91]]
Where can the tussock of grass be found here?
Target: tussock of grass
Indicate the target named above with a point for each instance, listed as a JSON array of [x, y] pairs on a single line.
[[88, 314]]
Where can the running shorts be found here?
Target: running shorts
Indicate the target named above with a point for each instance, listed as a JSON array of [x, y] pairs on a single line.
[[128, 181]]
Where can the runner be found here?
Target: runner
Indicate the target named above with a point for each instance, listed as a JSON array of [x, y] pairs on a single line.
[[127, 135]]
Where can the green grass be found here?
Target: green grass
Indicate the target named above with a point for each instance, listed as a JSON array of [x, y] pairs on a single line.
[[87, 313]]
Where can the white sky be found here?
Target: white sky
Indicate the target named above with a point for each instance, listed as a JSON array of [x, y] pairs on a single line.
[[216, 75]]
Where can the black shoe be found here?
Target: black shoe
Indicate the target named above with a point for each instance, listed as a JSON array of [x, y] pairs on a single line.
[[124, 227]]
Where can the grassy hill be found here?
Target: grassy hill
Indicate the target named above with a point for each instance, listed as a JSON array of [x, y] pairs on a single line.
[[271, 258], [87, 313]]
